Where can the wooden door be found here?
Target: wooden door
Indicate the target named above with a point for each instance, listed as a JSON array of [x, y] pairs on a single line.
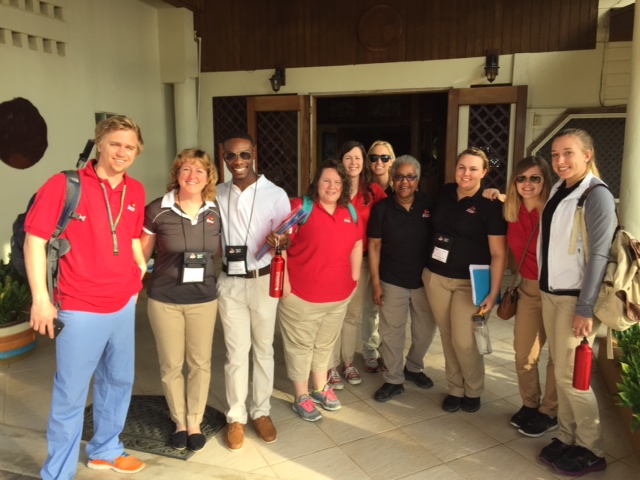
[[490, 124]]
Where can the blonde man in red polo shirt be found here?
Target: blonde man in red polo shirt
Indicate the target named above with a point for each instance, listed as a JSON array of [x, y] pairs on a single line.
[[99, 281]]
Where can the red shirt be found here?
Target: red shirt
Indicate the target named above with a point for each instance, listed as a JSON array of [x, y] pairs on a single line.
[[319, 257], [518, 235], [364, 211], [92, 278]]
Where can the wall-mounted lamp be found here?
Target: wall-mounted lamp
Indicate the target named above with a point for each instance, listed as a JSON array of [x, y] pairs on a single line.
[[279, 78], [492, 65]]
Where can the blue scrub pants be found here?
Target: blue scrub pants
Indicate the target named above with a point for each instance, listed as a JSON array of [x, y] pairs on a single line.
[[90, 344]]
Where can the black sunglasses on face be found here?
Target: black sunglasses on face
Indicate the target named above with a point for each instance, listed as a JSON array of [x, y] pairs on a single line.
[[534, 179], [400, 178], [382, 158], [231, 156]]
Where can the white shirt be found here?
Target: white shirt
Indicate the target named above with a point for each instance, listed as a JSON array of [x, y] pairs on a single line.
[[250, 215]]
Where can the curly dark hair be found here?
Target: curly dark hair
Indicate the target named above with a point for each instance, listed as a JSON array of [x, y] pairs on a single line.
[[366, 177], [345, 197]]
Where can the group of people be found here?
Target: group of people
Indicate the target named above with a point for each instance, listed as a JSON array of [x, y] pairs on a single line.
[[373, 254]]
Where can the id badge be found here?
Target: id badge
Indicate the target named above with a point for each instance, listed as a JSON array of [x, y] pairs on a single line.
[[236, 256], [193, 267], [442, 247]]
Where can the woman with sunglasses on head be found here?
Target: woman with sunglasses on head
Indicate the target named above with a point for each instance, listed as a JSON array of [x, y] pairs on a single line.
[[364, 194], [184, 227], [399, 229], [469, 229], [571, 272], [526, 195]]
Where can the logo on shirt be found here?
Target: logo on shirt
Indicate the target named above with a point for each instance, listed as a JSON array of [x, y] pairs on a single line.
[[426, 214], [210, 220], [132, 207], [347, 220], [471, 210]]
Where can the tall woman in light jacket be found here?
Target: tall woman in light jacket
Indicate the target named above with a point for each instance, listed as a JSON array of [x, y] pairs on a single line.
[[569, 284]]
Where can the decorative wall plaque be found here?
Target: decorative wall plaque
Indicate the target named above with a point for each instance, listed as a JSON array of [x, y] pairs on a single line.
[[379, 28]]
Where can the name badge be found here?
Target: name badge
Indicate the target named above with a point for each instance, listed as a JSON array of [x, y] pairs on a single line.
[[442, 247], [236, 256], [193, 267]]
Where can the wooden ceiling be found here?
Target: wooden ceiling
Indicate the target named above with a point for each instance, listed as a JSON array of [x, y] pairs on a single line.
[[258, 34]]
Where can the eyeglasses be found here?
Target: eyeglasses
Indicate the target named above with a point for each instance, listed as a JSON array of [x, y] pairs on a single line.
[[231, 156], [382, 158], [534, 179], [400, 178]]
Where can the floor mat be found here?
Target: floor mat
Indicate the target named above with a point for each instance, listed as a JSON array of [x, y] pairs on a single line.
[[149, 426]]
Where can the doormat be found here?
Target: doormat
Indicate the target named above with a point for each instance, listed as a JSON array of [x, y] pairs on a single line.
[[149, 426]]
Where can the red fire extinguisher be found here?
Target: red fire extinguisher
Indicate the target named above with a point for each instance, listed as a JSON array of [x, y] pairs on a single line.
[[277, 274], [582, 366]]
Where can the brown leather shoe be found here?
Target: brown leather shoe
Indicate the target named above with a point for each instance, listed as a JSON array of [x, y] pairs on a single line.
[[265, 428], [235, 436]]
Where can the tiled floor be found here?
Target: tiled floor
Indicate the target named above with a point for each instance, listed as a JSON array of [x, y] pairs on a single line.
[[409, 437]]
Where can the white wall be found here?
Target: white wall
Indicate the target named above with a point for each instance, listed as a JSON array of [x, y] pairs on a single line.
[[110, 63]]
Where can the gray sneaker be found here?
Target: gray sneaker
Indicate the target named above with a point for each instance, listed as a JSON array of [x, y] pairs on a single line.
[[327, 398], [306, 408]]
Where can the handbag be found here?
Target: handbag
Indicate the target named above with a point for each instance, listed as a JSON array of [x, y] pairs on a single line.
[[509, 303]]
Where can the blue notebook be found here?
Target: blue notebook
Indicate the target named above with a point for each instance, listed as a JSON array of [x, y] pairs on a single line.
[[481, 283]]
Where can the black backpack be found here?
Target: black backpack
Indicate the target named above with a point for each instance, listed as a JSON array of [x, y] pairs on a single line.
[[56, 246]]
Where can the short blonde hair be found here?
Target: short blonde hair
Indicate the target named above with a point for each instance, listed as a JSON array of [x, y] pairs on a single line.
[[115, 123], [195, 155]]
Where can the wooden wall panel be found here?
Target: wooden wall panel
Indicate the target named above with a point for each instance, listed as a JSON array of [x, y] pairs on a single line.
[[250, 35]]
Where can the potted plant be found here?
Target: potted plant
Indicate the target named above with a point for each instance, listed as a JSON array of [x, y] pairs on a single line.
[[629, 387], [17, 339]]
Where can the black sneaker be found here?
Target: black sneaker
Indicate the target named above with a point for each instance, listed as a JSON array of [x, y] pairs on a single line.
[[387, 391], [538, 425], [522, 416], [178, 440], [471, 404], [578, 461], [451, 403], [553, 451], [419, 378]]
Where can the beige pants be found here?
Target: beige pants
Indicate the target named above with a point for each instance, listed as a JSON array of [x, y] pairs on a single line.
[[184, 332], [452, 307], [529, 337], [309, 332], [578, 414]]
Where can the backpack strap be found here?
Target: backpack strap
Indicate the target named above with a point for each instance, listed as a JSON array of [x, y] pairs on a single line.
[[579, 222], [57, 247], [307, 207]]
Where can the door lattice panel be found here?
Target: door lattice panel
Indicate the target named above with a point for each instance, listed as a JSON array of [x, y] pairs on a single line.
[[489, 130], [278, 149], [229, 116], [608, 140]]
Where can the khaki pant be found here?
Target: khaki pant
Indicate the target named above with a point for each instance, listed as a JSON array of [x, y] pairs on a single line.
[[345, 347], [184, 332], [399, 303], [309, 332], [529, 337], [452, 307], [578, 414]]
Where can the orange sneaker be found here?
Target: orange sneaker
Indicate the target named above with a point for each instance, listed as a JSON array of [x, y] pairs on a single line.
[[125, 463]]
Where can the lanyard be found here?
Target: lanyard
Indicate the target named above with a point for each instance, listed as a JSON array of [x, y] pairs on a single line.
[[255, 192], [111, 222], [184, 235]]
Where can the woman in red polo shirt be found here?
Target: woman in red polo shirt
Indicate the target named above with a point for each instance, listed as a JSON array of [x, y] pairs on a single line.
[[364, 194], [322, 270]]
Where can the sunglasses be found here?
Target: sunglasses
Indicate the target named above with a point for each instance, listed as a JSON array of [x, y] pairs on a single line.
[[382, 158], [400, 178], [535, 179], [231, 156]]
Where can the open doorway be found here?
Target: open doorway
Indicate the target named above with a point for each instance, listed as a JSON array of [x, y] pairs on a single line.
[[413, 123]]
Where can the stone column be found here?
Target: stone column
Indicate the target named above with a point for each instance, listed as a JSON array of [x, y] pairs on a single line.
[[629, 190], [186, 113]]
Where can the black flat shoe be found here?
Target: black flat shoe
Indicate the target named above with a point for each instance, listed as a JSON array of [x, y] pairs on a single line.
[[179, 440], [471, 404], [451, 403], [196, 442], [387, 391]]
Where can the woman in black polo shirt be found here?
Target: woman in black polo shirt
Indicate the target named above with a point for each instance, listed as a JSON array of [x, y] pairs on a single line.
[[469, 229], [184, 226]]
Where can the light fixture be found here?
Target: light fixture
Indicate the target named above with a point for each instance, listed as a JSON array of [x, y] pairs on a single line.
[[492, 65], [278, 79]]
